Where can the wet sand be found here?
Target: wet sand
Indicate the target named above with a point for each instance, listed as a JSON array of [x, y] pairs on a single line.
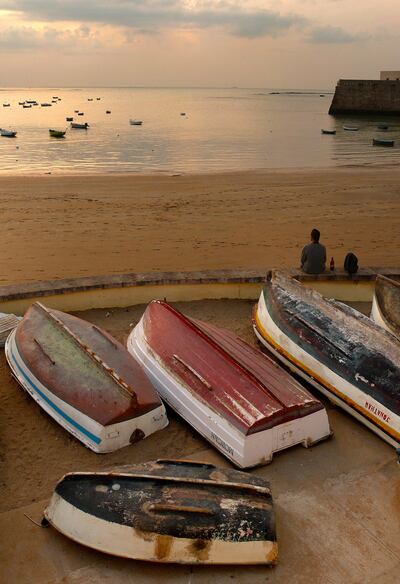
[[61, 227]]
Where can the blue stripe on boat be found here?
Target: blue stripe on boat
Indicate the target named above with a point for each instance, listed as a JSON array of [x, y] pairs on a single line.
[[66, 417]]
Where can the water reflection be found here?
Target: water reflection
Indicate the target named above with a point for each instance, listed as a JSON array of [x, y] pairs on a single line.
[[225, 129]]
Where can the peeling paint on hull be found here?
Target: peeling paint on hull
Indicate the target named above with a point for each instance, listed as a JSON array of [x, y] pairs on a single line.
[[340, 352], [169, 511], [241, 401]]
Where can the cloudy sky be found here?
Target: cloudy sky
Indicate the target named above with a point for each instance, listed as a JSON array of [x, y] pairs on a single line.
[[247, 43]]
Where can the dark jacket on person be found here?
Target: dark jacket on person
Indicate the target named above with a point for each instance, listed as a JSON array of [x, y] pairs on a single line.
[[313, 258]]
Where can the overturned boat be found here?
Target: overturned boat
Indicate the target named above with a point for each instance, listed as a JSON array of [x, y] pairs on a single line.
[[386, 304], [239, 399], [8, 322], [337, 349], [84, 379], [168, 511]]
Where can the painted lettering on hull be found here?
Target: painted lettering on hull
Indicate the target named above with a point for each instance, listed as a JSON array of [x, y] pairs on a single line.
[[377, 412], [221, 443]]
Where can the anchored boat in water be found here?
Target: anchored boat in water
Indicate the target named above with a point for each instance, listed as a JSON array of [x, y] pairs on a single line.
[[386, 304], [57, 133], [84, 379], [381, 142], [239, 399], [337, 349], [77, 126], [169, 511]]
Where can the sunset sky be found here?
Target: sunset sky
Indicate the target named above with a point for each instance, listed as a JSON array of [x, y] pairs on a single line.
[[252, 43]]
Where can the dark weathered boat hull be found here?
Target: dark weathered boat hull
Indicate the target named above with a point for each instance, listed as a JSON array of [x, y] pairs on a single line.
[[338, 350], [169, 511], [387, 143]]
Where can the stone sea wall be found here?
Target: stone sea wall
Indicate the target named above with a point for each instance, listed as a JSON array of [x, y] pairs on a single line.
[[357, 96]]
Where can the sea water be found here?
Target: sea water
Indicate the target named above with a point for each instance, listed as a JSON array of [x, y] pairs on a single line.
[[222, 130]]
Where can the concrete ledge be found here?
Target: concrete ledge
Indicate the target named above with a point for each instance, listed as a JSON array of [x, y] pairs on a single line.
[[129, 289]]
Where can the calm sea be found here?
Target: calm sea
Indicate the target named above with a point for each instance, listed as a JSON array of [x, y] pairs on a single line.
[[223, 129]]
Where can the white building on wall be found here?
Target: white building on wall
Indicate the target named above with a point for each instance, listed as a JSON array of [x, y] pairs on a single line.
[[390, 75]]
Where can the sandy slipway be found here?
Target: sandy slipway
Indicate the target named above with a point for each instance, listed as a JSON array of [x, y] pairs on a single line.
[[337, 505]]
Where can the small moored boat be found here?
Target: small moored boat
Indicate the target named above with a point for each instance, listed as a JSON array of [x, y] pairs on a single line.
[[386, 304], [84, 379], [168, 511], [108, 111], [382, 127], [69, 119], [8, 133], [239, 399], [77, 126], [344, 354], [27, 105], [135, 122], [57, 133], [328, 132], [45, 105], [6, 105], [350, 128], [381, 142]]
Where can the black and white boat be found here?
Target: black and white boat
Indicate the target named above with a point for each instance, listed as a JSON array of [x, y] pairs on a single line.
[[168, 511], [344, 354]]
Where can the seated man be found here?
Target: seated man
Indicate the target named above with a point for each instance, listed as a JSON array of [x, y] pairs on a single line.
[[313, 256]]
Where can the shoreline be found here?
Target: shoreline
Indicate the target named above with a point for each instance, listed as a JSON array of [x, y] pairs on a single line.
[[376, 167], [133, 223]]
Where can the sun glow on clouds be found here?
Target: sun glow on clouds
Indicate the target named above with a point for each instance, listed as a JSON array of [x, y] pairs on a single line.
[[236, 35]]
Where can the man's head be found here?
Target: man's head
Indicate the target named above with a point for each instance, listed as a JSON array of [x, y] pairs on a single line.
[[315, 235]]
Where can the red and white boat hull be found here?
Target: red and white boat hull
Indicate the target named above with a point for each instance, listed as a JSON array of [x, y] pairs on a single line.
[[243, 450], [99, 438]]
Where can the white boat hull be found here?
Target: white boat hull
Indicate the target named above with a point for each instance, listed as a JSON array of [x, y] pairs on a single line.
[[127, 542], [243, 450], [99, 438], [360, 405], [377, 316]]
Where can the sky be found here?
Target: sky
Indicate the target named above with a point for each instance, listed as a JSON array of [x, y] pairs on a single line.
[[196, 43]]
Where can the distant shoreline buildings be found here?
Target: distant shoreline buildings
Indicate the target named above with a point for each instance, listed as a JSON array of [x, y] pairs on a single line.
[[366, 96]]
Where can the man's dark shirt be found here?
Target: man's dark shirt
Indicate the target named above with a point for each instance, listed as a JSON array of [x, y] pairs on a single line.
[[313, 258]]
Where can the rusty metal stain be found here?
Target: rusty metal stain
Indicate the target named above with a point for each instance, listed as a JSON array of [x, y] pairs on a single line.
[[200, 549], [163, 545]]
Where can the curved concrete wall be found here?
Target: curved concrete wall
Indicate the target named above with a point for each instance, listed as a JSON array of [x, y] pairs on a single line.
[[130, 289]]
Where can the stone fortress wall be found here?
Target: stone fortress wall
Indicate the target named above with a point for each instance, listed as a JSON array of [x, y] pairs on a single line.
[[364, 96]]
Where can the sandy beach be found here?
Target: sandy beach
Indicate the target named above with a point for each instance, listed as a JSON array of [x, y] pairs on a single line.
[[70, 226], [60, 227]]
